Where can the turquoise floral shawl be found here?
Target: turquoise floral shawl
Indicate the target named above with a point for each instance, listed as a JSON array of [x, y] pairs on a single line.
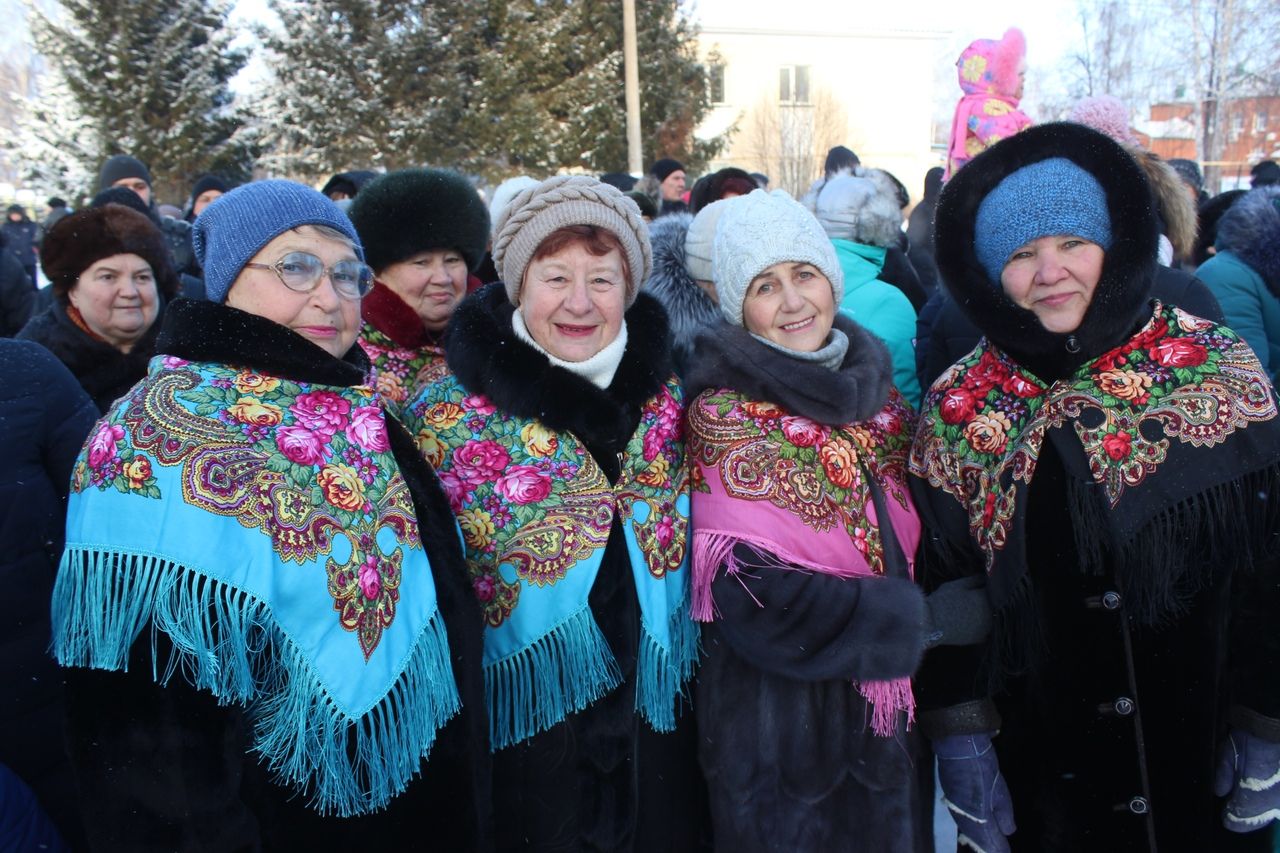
[[263, 526], [536, 511]]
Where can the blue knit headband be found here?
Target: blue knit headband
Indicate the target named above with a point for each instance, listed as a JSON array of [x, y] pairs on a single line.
[[1044, 199], [237, 225]]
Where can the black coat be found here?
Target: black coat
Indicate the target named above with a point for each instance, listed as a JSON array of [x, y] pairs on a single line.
[[103, 371], [22, 237], [44, 419], [601, 779], [1116, 661], [17, 294], [785, 740], [166, 768]]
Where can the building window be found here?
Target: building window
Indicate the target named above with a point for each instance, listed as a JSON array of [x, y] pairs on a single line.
[[793, 84], [1237, 126], [1260, 122], [715, 82]]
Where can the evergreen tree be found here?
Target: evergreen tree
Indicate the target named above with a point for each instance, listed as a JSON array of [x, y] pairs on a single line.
[[491, 87], [365, 84], [142, 77]]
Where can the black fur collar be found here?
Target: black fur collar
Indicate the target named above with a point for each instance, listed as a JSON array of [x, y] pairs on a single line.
[[728, 356], [210, 331], [484, 353], [1119, 304]]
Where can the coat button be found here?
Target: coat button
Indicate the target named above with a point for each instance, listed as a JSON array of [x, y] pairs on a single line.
[[1111, 600], [1138, 805], [1123, 706]]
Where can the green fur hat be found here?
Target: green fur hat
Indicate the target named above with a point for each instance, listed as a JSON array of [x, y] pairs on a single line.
[[402, 213]]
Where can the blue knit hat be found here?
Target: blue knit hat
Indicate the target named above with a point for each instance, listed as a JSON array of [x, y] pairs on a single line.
[[238, 224], [1047, 198]]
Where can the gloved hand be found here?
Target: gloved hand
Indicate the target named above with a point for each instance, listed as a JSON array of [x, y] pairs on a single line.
[[959, 613], [975, 792], [1248, 770]]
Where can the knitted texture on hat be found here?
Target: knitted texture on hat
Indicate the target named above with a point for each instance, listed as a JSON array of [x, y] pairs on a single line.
[[558, 203], [1047, 198], [855, 208], [238, 224], [85, 237], [1105, 114], [700, 241], [759, 230], [122, 166], [663, 168], [408, 211]]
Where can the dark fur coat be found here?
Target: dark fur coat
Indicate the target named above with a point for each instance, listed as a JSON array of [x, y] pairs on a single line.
[[167, 768], [1126, 639], [785, 743], [602, 779]]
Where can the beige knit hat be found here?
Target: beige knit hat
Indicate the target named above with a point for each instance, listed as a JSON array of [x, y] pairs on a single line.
[[557, 203]]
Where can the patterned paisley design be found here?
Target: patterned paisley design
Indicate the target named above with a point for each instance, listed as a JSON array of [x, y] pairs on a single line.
[[400, 372], [817, 473], [1180, 378], [302, 464], [535, 499]]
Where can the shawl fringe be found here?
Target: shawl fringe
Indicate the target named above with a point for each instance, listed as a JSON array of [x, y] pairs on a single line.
[[1179, 552], [226, 642], [662, 673], [534, 689]]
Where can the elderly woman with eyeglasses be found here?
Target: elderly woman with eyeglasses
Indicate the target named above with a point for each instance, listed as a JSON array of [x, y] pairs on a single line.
[[269, 572]]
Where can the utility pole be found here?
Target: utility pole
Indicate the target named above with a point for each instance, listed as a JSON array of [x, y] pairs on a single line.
[[635, 157]]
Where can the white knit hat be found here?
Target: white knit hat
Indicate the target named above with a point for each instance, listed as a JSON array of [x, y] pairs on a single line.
[[763, 229], [700, 240]]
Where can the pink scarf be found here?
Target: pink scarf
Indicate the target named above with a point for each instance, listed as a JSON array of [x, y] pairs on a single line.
[[797, 490]]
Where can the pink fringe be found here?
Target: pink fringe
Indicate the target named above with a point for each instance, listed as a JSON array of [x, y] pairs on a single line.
[[710, 552], [887, 698]]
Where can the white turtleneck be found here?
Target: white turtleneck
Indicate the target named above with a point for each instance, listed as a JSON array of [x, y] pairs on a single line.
[[598, 370]]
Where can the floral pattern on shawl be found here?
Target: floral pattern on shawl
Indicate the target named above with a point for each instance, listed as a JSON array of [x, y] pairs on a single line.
[[815, 472], [400, 372], [300, 463], [534, 498], [984, 421]]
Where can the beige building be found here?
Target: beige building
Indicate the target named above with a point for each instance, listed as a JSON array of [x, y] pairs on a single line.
[[795, 93]]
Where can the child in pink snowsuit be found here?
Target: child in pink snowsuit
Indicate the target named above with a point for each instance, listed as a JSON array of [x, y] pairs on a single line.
[[991, 75]]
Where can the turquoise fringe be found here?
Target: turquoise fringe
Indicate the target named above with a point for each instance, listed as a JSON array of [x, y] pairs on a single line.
[[225, 642], [564, 671], [662, 673]]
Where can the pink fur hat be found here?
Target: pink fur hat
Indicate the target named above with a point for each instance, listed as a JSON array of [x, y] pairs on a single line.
[[1105, 114], [989, 67]]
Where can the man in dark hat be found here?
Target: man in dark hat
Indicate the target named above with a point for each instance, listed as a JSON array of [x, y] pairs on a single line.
[[131, 173], [1265, 173], [670, 176]]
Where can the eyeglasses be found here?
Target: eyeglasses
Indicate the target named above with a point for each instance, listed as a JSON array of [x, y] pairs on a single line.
[[301, 272]]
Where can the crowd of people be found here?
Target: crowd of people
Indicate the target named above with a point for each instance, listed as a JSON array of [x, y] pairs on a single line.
[[652, 515]]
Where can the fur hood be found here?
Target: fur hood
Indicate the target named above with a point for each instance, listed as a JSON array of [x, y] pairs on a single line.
[[728, 356], [870, 215], [1177, 210], [1120, 302], [1250, 230], [484, 353], [689, 310]]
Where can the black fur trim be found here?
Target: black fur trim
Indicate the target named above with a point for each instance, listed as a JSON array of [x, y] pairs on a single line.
[[402, 213], [484, 353], [728, 356], [209, 331], [1119, 304]]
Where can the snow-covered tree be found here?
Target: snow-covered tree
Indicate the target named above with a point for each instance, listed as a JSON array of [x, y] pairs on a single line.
[[492, 87], [142, 77]]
